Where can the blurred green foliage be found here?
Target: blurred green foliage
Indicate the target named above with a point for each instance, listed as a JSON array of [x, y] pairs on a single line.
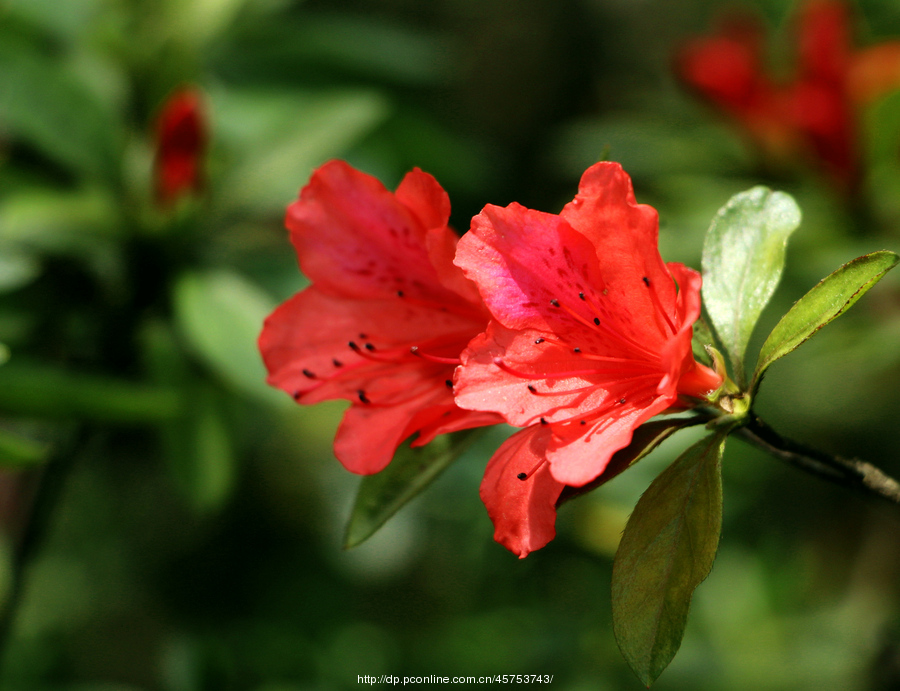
[[196, 542]]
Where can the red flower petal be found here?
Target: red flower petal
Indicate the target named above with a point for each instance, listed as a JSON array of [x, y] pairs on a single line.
[[523, 511], [305, 344], [425, 198], [369, 435], [386, 317], [824, 41], [539, 377], [354, 238], [613, 347], [438, 420], [625, 235], [579, 453], [525, 262]]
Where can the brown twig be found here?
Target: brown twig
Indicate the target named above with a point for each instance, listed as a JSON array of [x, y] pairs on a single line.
[[853, 473]]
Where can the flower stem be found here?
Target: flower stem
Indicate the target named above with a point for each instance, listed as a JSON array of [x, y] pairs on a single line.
[[46, 498], [852, 473]]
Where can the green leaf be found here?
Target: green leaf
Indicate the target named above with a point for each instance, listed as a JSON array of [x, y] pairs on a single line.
[[743, 257], [56, 112], [197, 445], [829, 299], [278, 139], [702, 337], [79, 222], [221, 314], [20, 452], [46, 391], [370, 47], [196, 22], [380, 496], [17, 269], [201, 459], [667, 549], [64, 21]]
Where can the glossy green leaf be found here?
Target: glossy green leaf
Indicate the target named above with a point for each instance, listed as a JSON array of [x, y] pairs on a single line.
[[220, 314], [667, 549], [829, 299], [743, 257], [380, 496]]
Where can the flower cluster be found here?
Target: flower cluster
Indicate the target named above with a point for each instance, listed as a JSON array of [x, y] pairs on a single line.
[[569, 326], [816, 111]]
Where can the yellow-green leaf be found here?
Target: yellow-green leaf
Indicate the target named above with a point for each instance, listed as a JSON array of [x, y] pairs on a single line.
[[829, 299]]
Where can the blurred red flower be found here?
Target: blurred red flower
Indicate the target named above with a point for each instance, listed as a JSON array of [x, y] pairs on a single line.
[[386, 316], [816, 112], [180, 146], [590, 337]]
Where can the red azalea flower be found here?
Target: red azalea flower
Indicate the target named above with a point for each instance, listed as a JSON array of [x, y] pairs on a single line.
[[815, 111], [591, 337], [386, 317], [181, 141]]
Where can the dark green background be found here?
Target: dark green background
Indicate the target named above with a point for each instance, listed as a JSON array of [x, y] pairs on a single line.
[[196, 541]]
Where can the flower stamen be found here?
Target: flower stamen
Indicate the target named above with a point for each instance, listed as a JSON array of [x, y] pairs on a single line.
[[658, 305], [414, 350], [600, 324], [525, 476]]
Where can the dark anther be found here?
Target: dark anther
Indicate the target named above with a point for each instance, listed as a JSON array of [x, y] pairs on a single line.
[[449, 383], [362, 337], [544, 422], [646, 281], [362, 396], [581, 296], [597, 321], [576, 350], [522, 476], [538, 341], [531, 388], [369, 346], [336, 362], [621, 401], [308, 374], [554, 302], [583, 422], [296, 395], [353, 346], [399, 293]]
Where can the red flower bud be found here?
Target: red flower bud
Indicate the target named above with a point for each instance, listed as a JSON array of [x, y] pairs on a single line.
[[180, 147]]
